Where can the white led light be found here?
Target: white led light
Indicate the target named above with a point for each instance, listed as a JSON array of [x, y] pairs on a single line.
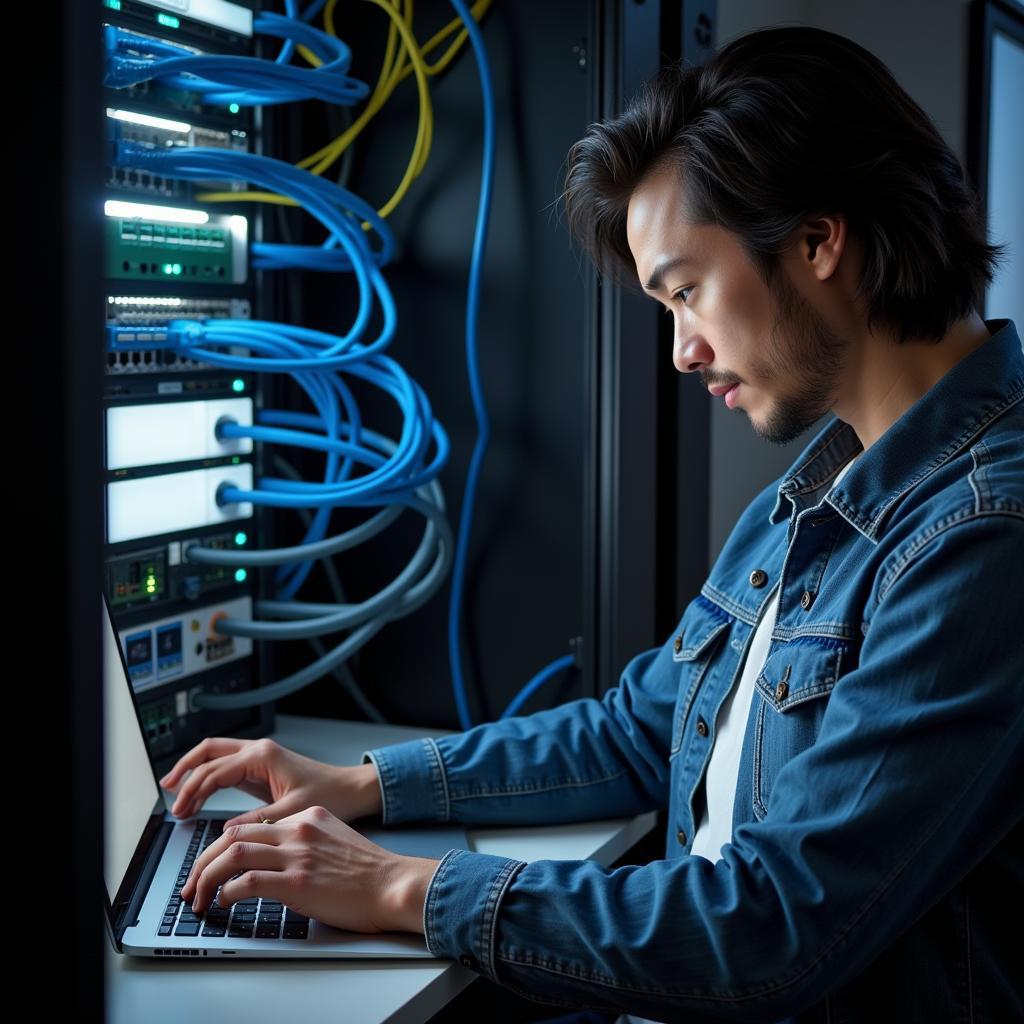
[[145, 300], [173, 214], [239, 228], [148, 120]]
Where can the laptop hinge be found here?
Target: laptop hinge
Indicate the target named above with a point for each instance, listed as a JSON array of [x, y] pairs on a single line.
[[126, 913]]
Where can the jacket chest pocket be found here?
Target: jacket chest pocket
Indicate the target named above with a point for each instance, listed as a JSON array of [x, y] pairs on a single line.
[[700, 632], [791, 694]]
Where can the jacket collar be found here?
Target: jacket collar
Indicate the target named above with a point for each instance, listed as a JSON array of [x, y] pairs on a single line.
[[977, 390]]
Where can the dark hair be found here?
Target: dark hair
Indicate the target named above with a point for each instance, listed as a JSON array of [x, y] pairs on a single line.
[[788, 123]]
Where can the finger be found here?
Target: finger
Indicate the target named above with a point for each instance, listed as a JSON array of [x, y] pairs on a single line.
[[205, 780], [270, 885], [236, 859], [212, 746], [276, 812], [246, 833]]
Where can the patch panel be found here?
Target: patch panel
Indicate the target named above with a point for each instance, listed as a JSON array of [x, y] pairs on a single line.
[[140, 248], [134, 325], [165, 133], [183, 645], [152, 94]]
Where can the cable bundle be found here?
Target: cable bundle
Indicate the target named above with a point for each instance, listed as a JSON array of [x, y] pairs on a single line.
[[317, 361], [132, 58], [398, 475]]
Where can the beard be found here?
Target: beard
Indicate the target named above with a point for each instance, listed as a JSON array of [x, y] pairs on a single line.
[[803, 350]]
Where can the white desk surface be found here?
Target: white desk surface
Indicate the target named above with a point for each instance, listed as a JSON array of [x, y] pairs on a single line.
[[349, 991]]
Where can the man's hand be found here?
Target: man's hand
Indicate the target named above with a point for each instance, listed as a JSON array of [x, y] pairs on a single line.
[[317, 865], [285, 781]]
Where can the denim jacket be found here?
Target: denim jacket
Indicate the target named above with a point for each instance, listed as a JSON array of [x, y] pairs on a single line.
[[876, 869]]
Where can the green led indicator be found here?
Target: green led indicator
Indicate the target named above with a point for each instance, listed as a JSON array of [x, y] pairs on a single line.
[[177, 268], [114, 5], [240, 575], [240, 538], [238, 384], [168, 268], [234, 108], [168, 20], [235, 461]]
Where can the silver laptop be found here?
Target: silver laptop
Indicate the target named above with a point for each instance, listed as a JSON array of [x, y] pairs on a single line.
[[146, 848]]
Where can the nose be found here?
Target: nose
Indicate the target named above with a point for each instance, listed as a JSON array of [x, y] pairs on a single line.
[[690, 354]]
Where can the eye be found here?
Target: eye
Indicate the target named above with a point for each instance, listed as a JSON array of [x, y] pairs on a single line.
[[683, 294]]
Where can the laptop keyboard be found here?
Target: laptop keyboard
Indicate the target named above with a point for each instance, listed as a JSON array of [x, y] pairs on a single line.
[[251, 918]]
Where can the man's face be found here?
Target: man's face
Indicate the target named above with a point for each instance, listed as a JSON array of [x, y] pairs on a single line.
[[729, 325]]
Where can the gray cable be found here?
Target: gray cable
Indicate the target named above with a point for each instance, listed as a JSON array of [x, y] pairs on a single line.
[[318, 620], [414, 597], [341, 672], [298, 552]]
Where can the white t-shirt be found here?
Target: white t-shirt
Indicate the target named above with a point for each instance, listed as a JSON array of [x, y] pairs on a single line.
[[715, 828]]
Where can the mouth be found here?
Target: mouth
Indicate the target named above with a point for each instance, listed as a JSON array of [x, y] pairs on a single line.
[[726, 391]]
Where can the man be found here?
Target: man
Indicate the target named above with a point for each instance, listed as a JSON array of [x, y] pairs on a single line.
[[836, 725]]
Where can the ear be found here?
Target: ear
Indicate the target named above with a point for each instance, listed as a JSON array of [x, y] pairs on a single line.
[[820, 244]]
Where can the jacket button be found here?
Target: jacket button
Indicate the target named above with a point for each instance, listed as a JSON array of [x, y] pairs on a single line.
[[467, 961], [678, 645], [681, 836], [781, 690], [806, 599], [702, 727], [758, 578]]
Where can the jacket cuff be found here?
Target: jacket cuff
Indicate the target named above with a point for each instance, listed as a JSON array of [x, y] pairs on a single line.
[[460, 912], [413, 786]]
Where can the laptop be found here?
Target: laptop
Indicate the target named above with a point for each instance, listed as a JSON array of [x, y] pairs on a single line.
[[149, 853]]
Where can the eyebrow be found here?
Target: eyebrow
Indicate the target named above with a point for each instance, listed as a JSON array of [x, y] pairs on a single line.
[[663, 268]]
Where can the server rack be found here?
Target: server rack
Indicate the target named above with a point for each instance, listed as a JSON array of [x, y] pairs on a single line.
[[617, 500]]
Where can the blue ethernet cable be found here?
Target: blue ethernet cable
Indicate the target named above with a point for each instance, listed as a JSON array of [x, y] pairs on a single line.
[[565, 662], [483, 421], [340, 211], [132, 58]]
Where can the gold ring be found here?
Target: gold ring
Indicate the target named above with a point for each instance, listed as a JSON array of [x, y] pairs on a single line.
[[267, 821]]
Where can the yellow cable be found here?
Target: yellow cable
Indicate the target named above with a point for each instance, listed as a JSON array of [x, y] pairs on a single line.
[[387, 81]]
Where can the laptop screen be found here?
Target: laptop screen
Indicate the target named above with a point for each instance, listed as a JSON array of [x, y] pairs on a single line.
[[129, 788]]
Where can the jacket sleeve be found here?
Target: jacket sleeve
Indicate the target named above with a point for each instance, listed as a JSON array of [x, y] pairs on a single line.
[[584, 760], [913, 779]]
